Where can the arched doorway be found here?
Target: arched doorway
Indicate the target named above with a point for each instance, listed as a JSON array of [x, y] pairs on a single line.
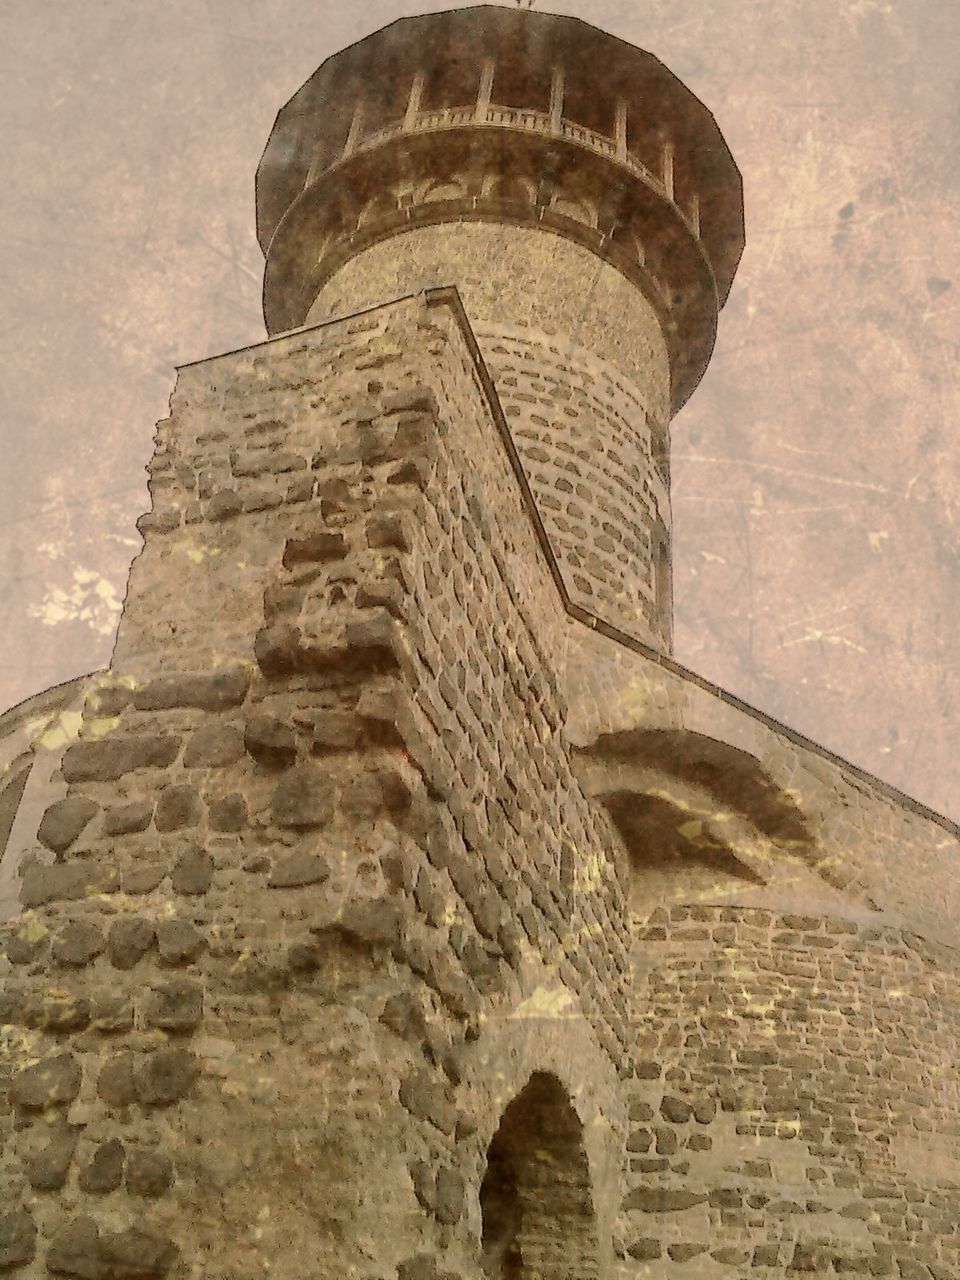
[[535, 1199]]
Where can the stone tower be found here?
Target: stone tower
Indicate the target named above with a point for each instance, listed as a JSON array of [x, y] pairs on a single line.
[[592, 224], [394, 907]]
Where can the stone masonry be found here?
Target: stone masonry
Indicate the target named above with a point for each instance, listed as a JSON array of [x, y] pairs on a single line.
[[394, 907]]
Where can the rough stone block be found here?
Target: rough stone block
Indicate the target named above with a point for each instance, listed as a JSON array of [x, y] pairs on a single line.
[[178, 807], [705, 1112], [193, 873], [52, 1082], [130, 937], [213, 746], [411, 399], [300, 489], [57, 1010], [111, 1012], [279, 650], [676, 1110], [403, 1014], [337, 498], [127, 819], [227, 813], [75, 1250], [646, 1249], [362, 797], [319, 548], [106, 759], [424, 1184], [379, 922], [149, 1173], [452, 987], [413, 471], [270, 741], [298, 869], [304, 798], [167, 1076], [725, 1198], [143, 878], [178, 941], [115, 1083], [27, 942], [224, 505], [427, 1100], [47, 1169], [684, 1252], [175, 1006], [661, 1199], [388, 532], [451, 1194], [64, 821], [731, 1256], [374, 640], [809, 1258], [256, 462], [104, 1172], [67, 882], [18, 1239], [78, 943], [336, 731], [213, 691]]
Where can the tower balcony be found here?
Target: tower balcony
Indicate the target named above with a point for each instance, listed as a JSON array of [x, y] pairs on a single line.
[[494, 115]]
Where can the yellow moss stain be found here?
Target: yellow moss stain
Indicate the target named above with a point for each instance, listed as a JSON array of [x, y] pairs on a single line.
[[53, 734], [89, 598], [546, 1002]]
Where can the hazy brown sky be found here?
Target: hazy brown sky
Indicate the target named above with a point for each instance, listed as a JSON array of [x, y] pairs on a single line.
[[816, 492]]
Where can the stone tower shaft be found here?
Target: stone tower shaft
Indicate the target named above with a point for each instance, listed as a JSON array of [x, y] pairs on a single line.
[[589, 212]]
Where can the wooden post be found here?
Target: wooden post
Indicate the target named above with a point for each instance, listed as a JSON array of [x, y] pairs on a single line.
[[556, 100], [316, 164], [413, 102], [620, 129], [356, 125], [668, 168], [485, 88]]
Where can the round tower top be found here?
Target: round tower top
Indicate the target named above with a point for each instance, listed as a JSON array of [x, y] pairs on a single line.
[[592, 138]]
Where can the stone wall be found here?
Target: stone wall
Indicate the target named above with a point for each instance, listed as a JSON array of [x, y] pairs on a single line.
[[796, 1109], [581, 368], [311, 912], [330, 912], [598, 466]]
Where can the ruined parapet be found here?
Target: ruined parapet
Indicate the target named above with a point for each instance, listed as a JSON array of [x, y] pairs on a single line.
[[591, 219]]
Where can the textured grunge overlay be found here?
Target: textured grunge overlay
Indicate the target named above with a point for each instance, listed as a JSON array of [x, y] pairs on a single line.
[[379, 898]]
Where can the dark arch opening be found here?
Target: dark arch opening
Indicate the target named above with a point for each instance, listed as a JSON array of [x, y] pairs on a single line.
[[535, 1199]]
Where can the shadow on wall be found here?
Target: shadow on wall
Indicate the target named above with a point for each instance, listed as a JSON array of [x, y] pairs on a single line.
[[693, 810]]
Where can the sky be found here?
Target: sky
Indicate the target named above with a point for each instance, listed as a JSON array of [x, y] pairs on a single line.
[[816, 470]]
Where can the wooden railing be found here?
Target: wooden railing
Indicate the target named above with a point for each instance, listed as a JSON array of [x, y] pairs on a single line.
[[484, 114]]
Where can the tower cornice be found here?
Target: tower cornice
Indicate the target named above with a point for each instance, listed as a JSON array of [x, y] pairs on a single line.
[[494, 114], [455, 174]]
